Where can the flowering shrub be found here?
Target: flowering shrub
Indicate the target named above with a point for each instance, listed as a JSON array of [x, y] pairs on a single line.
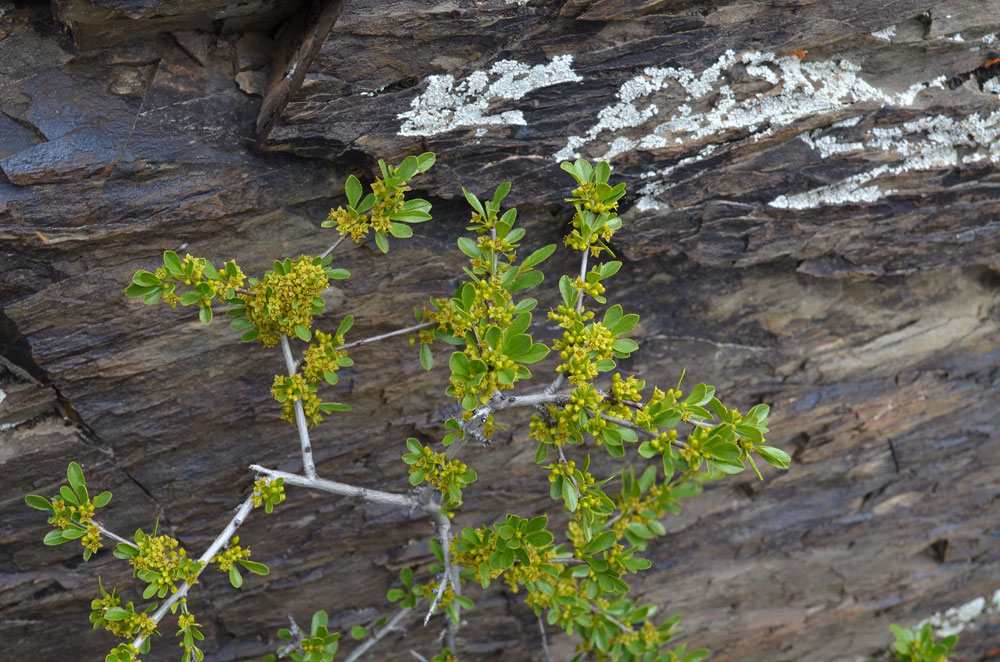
[[577, 578]]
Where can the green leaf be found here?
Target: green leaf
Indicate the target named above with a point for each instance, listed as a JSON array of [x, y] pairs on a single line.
[[359, 632], [102, 499], [254, 567], [381, 242], [400, 230], [115, 614], [319, 620], [698, 396], [330, 407], [395, 594], [54, 538], [353, 190], [135, 291], [302, 332], [624, 325], [366, 203], [345, 325], [529, 279], [571, 169], [205, 315], [474, 202], [412, 216], [569, 295], [172, 263], [235, 578], [625, 345], [426, 358], [569, 494], [500, 194], [338, 274], [75, 476], [38, 502], [774, 456], [469, 247], [537, 352], [69, 495], [425, 161], [407, 168], [145, 279], [73, 533], [538, 256]]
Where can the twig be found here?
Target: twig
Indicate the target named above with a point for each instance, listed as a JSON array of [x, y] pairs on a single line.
[[342, 489], [300, 416], [217, 544], [418, 655], [545, 639], [377, 634], [398, 332], [583, 277], [333, 247], [499, 402], [442, 525], [611, 618], [109, 534], [297, 636], [437, 596], [562, 458]]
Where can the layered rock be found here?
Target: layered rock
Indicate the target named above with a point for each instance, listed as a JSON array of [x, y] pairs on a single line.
[[811, 222]]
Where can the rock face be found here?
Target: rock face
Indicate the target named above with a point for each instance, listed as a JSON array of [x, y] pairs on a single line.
[[812, 222]]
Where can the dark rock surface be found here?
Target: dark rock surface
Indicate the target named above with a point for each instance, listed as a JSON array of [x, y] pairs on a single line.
[[813, 222]]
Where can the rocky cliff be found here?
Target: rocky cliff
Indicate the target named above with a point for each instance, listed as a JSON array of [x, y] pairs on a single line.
[[813, 221]]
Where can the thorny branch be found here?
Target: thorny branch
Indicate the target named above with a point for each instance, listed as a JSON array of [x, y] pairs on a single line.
[[398, 332], [377, 635], [499, 402], [300, 416], [220, 541]]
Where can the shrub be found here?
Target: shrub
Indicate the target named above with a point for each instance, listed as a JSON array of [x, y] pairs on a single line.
[[580, 581]]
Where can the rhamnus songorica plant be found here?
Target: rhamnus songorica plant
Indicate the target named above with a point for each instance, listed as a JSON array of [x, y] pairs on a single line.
[[574, 564]]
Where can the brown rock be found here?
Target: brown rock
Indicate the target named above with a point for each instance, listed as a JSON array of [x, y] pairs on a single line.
[[822, 246]]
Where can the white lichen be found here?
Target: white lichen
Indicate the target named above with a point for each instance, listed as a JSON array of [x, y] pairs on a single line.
[[990, 38], [956, 619], [992, 85], [445, 105], [886, 34], [928, 143]]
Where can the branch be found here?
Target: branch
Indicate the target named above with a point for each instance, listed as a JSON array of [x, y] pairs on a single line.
[[399, 332], [545, 639], [342, 489], [377, 634], [109, 534], [300, 416], [217, 544], [583, 277], [333, 247], [611, 618], [297, 636], [442, 524], [499, 402]]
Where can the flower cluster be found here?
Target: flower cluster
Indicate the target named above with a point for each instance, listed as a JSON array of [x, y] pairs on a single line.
[[447, 476], [72, 512], [160, 561], [385, 210], [268, 493], [288, 389], [286, 298]]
